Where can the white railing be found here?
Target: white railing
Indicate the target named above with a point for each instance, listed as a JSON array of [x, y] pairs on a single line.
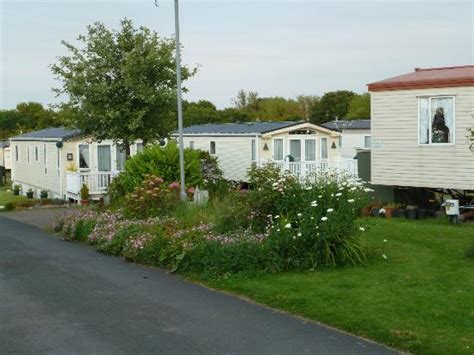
[[304, 169], [97, 182]]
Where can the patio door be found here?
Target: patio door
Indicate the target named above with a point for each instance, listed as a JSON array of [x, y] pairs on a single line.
[[104, 158], [295, 149]]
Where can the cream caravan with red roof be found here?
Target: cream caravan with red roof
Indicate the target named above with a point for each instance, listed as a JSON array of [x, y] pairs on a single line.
[[422, 129]]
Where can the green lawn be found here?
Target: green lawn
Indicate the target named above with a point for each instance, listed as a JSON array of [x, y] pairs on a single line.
[[420, 299], [6, 197]]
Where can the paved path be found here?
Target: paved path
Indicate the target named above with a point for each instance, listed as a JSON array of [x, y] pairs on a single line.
[[58, 297], [42, 218]]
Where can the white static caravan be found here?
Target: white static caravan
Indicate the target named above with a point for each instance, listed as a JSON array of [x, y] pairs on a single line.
[[61, 160], [299, 147], [422, 126], [355, 135], [5, 155]]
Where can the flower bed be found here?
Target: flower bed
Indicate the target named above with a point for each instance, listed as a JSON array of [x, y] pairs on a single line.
[[280, 224]]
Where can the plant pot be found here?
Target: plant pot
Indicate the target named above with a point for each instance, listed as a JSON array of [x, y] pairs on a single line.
[[16, 192], [365, 211], [412, 214], [422, 214], [396, 213], [84, 202], [29, 194], [402, 213], [389, 212], [375, 212]]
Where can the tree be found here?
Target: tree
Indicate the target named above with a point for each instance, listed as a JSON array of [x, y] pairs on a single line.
[[121, 83], [200, 112], [278, 109], [359, 107], [35, 116], [307, 102], [247, 101], [332, 105]]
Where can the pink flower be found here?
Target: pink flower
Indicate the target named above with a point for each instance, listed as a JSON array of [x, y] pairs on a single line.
[[174, 185]]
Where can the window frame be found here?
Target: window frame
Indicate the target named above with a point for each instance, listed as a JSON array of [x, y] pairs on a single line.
[[282, 149], [430, 97], [45, 162], [253, 150], [79, 157], [17, 153], [321, 148], [365, 141], [191, 144], [315, 150], [212, 150]]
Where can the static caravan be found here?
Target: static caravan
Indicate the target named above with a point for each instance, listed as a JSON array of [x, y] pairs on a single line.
[[299, 147], [5, 155], [355, 135], [422, 129], [61, 160]]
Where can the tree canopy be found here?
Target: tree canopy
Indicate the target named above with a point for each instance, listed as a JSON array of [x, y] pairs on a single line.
[[334, 104], [27, 116], [121, 84], [359, 107]]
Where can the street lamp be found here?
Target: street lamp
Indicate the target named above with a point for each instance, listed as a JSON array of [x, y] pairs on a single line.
[[183, 195]]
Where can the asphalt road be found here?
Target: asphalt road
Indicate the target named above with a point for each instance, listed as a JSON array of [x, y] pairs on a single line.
[[58, 297]]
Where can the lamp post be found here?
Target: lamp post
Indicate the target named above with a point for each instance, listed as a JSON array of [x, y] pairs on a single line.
[[180, 102]]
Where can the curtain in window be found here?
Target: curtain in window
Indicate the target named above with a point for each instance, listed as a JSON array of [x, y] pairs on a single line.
[[104, 157], [424, 120], [278, 149], [120, 157], [295, 149], [324, 148], [310, 150], [441, 119], [84, 157]]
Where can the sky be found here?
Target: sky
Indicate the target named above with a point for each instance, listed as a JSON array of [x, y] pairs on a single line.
[[277, 48]]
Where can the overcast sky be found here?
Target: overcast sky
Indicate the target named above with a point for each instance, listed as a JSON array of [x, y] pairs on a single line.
[[277, 48]]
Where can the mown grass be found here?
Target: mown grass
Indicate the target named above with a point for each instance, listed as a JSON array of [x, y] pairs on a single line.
[[420, 299], [7, 196]]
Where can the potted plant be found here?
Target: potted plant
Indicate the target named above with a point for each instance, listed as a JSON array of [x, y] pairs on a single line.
[[16, 190], [412, 212], [84, 195], [391, 209], [30, 193], [44, 194]]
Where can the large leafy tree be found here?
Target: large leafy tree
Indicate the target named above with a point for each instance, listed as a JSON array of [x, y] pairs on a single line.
[[121, 84], [27, 116], [200, 112], [332, 105], [359, 107]]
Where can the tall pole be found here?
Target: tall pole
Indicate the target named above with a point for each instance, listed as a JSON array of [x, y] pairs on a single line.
[[180, 103]]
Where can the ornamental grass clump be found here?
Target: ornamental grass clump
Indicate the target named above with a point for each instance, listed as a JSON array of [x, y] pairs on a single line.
[[311, 223]]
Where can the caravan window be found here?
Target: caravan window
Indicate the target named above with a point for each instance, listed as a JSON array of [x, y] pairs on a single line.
[[278, 149], [436, 120], [84, 156]]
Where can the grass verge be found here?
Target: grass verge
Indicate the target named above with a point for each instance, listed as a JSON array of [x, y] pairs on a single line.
[[419, 299]]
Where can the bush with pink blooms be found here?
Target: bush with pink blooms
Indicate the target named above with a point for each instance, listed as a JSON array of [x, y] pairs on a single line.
[[152, 198]]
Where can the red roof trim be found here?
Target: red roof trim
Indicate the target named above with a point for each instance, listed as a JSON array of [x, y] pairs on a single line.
[[428, 78], [426, 84]]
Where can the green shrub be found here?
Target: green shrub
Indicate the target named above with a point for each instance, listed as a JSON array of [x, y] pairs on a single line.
[[10, 206], [231, 212], [83, 229], [160, 161]]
